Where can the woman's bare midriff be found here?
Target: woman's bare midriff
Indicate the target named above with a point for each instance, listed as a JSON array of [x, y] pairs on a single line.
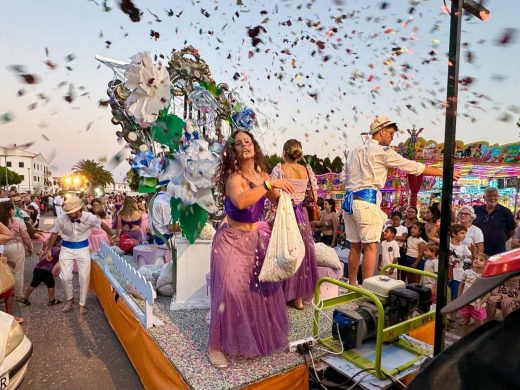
[[244, 226]]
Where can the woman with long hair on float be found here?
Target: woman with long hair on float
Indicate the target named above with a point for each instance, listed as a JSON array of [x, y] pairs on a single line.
[[248, 317], [301, 285]]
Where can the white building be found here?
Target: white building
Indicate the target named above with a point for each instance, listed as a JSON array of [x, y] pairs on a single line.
[[32, 167], [117, 187]]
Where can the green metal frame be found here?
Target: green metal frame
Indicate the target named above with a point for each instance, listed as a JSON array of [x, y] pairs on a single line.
[[383, 334]]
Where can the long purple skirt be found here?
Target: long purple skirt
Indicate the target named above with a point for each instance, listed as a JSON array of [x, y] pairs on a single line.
[[248, 317], [302, 283]]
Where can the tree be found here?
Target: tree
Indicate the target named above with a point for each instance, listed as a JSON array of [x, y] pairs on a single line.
[[96, 175], [337, 164], [326, 164], [272, 160], [12, 177]]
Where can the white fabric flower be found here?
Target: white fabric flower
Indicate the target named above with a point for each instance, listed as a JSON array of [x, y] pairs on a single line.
[[190, 173], [150, 86], [207, 232]]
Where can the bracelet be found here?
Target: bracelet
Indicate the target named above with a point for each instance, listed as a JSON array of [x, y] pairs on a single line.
[[267, 185]]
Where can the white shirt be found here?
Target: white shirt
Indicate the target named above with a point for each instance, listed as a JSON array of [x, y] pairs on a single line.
[[58, 205], [412, 246], [400, 231], [367, 166], [33, 204], [432, 266], [389, 252], [462, 252], [58, 200], [161, 214], [473, 236], [73, 231], [469, 277]]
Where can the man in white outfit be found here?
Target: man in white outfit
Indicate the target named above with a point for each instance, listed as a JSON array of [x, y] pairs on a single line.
[[367, 170], [160, 216], [58, 204], [74, 227]]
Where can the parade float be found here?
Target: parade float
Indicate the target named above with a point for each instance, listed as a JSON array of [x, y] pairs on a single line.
[[174, 119]]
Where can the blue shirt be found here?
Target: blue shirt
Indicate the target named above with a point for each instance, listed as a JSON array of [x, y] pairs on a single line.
[[495, 226]]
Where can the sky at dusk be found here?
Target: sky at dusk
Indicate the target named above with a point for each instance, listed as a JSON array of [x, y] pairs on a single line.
[[322, 70]]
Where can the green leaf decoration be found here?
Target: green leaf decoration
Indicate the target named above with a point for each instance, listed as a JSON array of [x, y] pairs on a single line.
[[175, 206], [167, 130], [211, 88], [147, 185], [192, 220]]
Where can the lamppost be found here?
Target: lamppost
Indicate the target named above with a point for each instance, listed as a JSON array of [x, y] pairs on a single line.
[[29, 177], [482, 13]]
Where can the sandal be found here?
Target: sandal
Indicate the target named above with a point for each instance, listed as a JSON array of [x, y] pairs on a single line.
[[25, 301], [68, 306], [54, 302]]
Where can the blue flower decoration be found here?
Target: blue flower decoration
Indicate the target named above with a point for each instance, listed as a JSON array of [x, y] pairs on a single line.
[[244, 119]]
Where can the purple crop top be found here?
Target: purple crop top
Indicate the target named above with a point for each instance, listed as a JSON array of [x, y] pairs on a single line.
[[137, 222], [249, 215]]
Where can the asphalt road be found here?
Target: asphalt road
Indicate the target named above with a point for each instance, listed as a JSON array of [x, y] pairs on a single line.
[[72, 351]]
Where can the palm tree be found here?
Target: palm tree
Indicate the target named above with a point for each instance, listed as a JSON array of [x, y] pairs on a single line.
[[96, 175]]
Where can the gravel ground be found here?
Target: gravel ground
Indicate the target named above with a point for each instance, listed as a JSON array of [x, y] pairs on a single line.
[[72, 351]]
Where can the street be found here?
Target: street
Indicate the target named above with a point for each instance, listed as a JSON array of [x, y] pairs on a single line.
[[71, 351]]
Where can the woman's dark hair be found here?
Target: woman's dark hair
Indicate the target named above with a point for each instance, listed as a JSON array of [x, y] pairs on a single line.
[[436, 213], [332, 203], [228, 163], [422, 230], [320, 201], [293, 149], [5, 207]]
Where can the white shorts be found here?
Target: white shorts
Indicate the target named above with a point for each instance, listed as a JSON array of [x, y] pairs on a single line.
[[366, 222]]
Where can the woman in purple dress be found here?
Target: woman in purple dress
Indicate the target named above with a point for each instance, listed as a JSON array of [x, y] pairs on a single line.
[[248, 318], [301, 285]]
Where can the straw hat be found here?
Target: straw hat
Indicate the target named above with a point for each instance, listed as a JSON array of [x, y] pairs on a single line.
[[16, 198], [72, 205], [380, 123]]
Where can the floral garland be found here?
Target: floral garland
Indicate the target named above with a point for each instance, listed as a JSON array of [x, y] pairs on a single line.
[[172, 118]]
